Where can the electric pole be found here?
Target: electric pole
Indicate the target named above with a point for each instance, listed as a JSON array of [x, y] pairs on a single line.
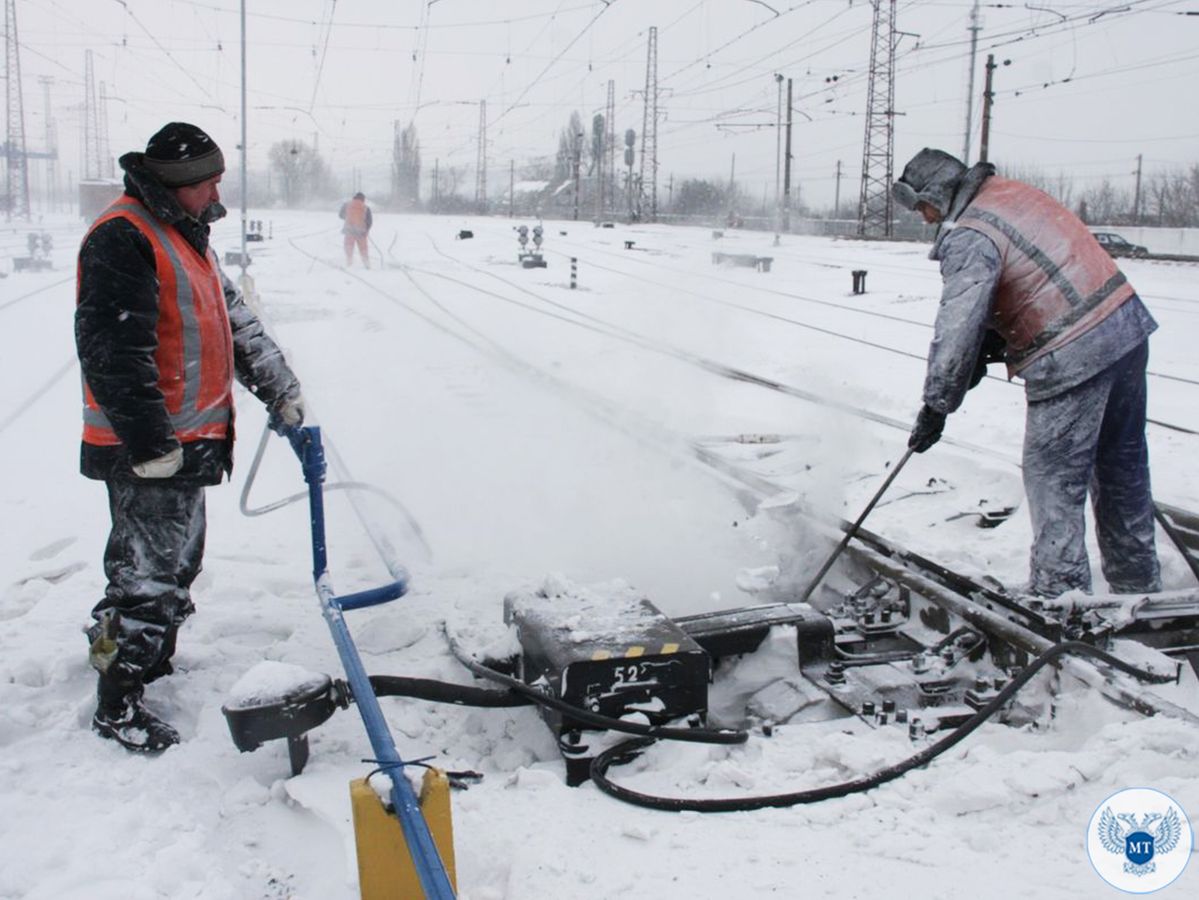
[[577, 148], [481, 164], [973, 29], [608, 168], [245, 188], [988, 101], [1136, 197], [630, 141], [985, 143], [91, 122], [778, 151], [599, 156], [988, 97], [787, 167], [511, 188], [51, 146], [837, 195], [733, 186], [17, 163], [649, 126]]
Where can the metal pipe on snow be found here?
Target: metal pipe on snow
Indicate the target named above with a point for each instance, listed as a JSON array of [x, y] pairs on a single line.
[[425, 857]]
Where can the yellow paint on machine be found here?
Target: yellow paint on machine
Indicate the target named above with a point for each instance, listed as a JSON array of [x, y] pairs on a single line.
[[385, 867], [634, 652]]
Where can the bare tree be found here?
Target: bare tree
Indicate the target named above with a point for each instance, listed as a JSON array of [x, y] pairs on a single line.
[[405, 168], [1174, 198], [303, 175], [598, 136], [569, 143], [1107, 203]]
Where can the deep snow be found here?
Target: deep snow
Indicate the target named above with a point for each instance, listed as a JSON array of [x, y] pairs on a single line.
[[522, 446]]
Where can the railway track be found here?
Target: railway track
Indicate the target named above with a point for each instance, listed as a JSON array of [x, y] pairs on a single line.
[[535, 303], [925, 326], [892, 638]]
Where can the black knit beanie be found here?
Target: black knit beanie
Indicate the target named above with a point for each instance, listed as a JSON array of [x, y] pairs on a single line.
[[180, 154]]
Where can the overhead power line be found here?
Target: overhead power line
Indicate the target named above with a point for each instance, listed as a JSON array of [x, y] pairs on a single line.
[[168, 53], [551, 63], [324, 50]]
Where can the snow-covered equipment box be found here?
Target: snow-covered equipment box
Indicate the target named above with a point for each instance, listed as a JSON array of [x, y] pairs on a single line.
[[611, 655]]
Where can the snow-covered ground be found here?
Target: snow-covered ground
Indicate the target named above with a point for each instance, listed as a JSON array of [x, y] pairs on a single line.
[[522, 431]]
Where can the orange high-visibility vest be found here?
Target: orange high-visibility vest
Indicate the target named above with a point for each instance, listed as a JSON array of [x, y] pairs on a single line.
[[195, 343], [1057, 282], [355, 216]]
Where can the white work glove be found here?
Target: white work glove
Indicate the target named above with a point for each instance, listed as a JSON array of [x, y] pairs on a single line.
[[288, 413], [292, 411], [160, 467]]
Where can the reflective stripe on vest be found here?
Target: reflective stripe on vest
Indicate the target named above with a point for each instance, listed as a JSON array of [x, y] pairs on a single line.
[[195, 373], [1057, 282]]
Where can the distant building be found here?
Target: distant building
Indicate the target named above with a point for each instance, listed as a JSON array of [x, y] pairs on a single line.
[[97, 195]]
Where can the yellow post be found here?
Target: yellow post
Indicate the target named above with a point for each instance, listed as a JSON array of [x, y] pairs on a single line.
[[385, 867]]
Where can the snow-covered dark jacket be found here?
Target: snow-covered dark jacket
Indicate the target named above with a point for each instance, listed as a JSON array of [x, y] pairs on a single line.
[[116, 335], [972, 268]]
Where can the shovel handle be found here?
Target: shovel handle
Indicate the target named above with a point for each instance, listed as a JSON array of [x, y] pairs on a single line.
[[853, 529]]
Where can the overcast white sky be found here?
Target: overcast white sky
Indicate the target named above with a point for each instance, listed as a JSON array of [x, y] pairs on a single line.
[[1091, 85]]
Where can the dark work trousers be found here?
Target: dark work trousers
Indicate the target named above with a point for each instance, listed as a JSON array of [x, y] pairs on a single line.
[[1092, 437], [153, 556]]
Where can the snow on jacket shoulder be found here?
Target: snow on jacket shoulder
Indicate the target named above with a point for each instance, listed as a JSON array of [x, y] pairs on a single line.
[[970, 271], [1057, 282], [970, 268]]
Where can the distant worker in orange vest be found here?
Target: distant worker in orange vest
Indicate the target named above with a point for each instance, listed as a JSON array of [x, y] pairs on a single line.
[[358, 221], [161, 335]]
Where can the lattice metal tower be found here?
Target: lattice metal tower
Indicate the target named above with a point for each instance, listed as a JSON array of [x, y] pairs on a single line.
[[878, 150], [16, 162], [608, 165], [481, 163], [649, 129], [91, 168]]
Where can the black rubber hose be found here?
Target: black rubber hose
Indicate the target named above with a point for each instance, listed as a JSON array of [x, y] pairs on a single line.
[[444, 692], [629, 750], [594, 720]]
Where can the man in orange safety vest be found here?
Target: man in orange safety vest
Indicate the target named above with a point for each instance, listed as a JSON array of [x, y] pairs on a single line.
[[161, 335], [358, 221]]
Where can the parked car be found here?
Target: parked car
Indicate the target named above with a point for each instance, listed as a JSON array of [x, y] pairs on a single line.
[[1117, 246]]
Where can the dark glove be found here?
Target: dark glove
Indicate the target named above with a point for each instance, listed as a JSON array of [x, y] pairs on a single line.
[[927, 430], [992, 350]]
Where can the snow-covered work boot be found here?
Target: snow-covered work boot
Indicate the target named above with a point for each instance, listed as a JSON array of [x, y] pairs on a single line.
[[120, 713], [133, 726]]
